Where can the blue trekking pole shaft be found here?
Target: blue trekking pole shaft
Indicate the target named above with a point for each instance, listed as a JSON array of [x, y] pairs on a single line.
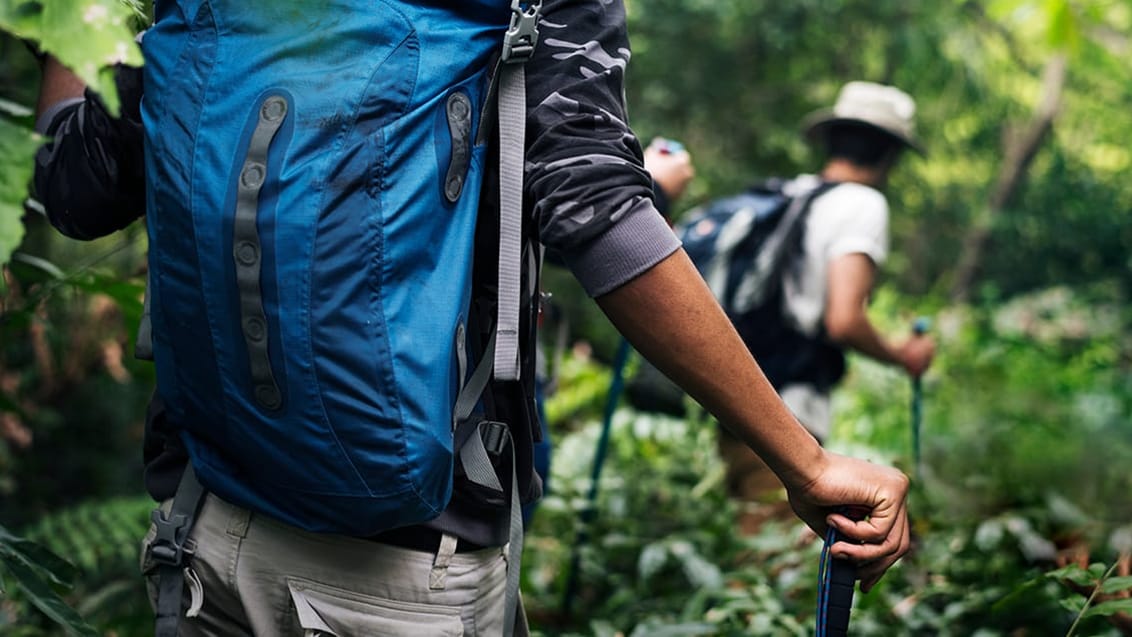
[[616, 385], [919, 328]]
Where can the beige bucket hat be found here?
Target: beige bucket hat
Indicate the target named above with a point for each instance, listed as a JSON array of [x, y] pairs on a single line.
[[883, 107]]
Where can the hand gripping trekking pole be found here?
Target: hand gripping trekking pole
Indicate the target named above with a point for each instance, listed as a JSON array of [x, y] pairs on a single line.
[[836, 579]]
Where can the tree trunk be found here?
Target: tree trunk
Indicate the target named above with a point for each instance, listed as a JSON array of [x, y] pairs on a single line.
[[1019, 151]]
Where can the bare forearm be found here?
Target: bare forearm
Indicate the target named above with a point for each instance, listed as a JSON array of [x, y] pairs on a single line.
[[670, 317], [860, 336]]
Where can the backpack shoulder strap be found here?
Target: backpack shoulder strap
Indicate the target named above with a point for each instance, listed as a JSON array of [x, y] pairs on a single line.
[[502, 352], [771, 258], [773, 252], [518, 46]]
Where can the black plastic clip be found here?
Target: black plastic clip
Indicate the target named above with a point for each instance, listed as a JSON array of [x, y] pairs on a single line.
[[495, 436], [168, 546]]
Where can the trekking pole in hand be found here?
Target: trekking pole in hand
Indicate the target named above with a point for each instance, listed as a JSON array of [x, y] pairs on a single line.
[[919, 328], [836, 579], [617, 383]]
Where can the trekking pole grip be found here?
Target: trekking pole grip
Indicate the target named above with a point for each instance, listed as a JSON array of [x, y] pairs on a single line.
[[837, 578]]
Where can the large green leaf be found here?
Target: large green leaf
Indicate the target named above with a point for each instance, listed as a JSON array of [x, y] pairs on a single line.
[[38, 571], [88, 36], [1117, 584], [1110, 607], [17, 152]]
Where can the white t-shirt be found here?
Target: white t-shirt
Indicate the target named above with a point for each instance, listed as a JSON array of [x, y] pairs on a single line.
[[850, 218]]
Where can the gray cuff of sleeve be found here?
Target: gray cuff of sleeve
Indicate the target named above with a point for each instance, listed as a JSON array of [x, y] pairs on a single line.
[[637, 242], [48, 116]]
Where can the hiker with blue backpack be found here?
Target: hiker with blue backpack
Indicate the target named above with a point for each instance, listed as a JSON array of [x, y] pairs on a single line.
[[794, 263], [342, 298]]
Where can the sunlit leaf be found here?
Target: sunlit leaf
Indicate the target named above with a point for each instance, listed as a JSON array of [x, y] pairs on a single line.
[[1074, 574], [87, 36], [17, 150], [1117, 584], [1110, 607]]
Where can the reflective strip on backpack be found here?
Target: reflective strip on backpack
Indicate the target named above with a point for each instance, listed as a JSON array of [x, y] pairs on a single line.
[[247, 252]]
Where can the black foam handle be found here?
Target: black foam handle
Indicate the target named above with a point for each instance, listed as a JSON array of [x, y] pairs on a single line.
[[842, 579]]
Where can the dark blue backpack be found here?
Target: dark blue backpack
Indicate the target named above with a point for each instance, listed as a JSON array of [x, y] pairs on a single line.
[[743, 246], [314, 187]]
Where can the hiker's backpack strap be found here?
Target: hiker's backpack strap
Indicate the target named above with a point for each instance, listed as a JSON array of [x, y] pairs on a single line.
[[518, 46], [169, 552], [477, 440], [771, 259]]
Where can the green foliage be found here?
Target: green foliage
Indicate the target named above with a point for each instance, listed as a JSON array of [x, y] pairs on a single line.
[[17, 147], [1024, 437], [102, 538], [661, 553], [100, 541], [72, 397], [1092, 585], [40, 573], [975, 69], [88, 36]]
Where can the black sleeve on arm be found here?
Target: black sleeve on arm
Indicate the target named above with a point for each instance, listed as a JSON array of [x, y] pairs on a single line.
[[90, 175], [590, 193]]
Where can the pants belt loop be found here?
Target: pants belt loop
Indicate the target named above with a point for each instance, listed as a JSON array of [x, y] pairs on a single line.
[[239, 519], [438, 578]]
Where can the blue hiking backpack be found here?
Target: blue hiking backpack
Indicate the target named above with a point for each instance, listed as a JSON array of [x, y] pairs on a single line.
[[315, 176], [744, 246]]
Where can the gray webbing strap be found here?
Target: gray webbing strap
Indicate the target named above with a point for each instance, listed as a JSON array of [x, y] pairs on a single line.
[[518, 46], [478, 467], [169, 552], [512, 136], [472, 390], [247, 252]]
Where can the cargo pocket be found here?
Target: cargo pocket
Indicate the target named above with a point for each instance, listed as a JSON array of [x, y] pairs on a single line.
[[324, 610]]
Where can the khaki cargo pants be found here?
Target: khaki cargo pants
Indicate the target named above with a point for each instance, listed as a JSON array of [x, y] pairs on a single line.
[[252, 575]]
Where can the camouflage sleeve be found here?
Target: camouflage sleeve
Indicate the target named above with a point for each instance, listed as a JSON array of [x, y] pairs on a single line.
[[89, 175], [592, 197]]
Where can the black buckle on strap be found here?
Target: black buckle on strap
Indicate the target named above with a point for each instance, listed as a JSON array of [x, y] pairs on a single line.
[[495, 436], [168, 546]]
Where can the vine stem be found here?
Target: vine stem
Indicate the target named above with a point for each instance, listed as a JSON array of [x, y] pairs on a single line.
[[1089, 602]]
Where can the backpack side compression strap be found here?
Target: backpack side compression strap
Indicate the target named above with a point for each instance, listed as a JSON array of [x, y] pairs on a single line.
[[518, 45]]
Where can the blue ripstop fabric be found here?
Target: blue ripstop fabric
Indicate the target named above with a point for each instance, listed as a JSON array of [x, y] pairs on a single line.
[[363, 262]]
